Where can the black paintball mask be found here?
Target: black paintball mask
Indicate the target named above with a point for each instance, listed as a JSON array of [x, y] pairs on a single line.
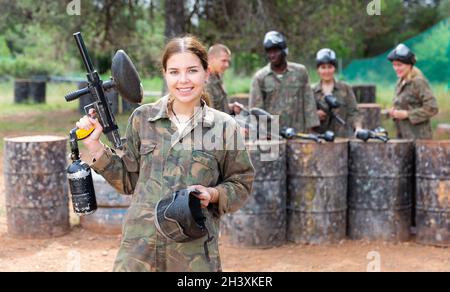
[[274, 39], [326, 56], [179, 217], [402, 54]]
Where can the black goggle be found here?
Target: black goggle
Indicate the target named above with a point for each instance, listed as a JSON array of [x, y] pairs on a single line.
[[326, 54]]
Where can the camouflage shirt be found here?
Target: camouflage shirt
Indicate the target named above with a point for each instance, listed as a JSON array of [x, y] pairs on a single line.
[[348, 110], [217, 93], [157, 163], [290, 97], [416, 97]]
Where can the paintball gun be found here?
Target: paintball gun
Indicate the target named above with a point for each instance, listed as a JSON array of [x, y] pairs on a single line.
[[290, 133], [328, 105], [244, 119], [126, 81], [377, 134]]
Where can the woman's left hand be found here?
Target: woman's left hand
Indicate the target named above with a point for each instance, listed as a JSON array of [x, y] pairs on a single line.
[[207, 195], [399, 114]]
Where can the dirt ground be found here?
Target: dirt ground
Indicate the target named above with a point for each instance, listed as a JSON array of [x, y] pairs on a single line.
[[81, 250]]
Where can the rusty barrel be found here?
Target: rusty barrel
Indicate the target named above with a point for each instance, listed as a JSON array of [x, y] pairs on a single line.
[[370, 115], [317, 191], [381, 188], [112, 208], [433, 192], [36, 188], [261, 222]]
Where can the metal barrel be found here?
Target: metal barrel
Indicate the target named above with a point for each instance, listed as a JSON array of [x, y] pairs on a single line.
[[37, 91], [21, 90], [261, 222], [381, 188], [433, 192], [112, 208], [317, 191], [36, 186]]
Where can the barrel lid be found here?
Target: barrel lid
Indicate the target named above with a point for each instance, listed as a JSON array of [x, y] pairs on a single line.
[[300, 141], [392, 141], [433, 142], [35, 139]]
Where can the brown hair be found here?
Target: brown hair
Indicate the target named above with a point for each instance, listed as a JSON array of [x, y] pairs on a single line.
[[187, 44], [415, 72], [219, 48]]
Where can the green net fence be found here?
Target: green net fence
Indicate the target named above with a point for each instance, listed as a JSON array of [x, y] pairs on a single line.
[[431, 47]]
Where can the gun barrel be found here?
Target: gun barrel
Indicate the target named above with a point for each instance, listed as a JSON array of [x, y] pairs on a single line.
[[83, 51], [339, 119]]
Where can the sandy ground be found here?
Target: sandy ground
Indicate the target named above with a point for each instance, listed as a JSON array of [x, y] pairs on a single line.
[[81, 250]]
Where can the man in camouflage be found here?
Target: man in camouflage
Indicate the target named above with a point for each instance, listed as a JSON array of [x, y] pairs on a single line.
[[282, 88], [219, 60], [158, 161], [414, 102]]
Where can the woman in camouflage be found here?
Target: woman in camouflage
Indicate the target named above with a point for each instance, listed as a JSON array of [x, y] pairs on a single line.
[[414, 103], [175, 143], [326, 67]]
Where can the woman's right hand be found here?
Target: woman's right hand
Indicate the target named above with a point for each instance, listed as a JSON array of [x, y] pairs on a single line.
[[92, 143], [322, 115]]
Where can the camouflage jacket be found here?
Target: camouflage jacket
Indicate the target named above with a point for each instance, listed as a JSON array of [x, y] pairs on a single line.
[[217, 93], [348, 110], [290, 98], [158, 161], [416, 97]]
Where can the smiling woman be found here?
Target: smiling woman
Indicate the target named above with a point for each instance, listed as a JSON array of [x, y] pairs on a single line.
[[414, 103], [163, 158]]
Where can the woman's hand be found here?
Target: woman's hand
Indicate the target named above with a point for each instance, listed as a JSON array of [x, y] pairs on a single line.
[[322, 115], [207, 195], [92, 143], [236, 107], [398, 114]]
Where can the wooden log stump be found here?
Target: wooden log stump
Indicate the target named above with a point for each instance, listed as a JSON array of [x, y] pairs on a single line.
[[370, 115], [36, 186], [365, 93]]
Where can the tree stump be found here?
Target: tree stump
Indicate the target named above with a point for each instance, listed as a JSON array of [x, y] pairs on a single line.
[[36, 186], [365, 93], [370, 115], [112, 208]]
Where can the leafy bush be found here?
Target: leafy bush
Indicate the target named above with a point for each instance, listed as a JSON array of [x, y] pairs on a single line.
[[26, 68]]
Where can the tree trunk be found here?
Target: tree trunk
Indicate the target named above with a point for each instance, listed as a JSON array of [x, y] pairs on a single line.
[[175, 18]]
